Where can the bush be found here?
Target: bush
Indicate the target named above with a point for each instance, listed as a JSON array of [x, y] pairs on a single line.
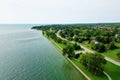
[[69, 38], [69, 50], [112, 46], [76, 46], [64, 42], [80, 40], [118, 54], [59, 40], [77, 56], [100, 47]]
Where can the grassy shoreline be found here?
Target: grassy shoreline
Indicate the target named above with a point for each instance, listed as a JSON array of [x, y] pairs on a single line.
[[86, 72], [71, 62], [108, 66]]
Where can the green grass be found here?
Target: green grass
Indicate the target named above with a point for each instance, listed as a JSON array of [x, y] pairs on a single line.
[[112, 53], [61, 45], [117, 44], [58, 45], [113, 71], [93, 77], [110, 68]]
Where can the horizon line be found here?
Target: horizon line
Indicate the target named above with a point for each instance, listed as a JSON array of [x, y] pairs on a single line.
[[67, 23]]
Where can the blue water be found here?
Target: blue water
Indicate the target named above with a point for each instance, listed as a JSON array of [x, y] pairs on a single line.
[[26, 54]]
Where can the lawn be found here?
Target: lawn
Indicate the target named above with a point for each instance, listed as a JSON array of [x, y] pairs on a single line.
[[113, 71], [110, 68], [89, 74], [58, 45], [112, 53]]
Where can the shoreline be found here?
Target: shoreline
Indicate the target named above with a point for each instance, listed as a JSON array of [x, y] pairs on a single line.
[[75, 66]]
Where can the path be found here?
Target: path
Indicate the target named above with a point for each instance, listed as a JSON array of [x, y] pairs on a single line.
[[78, 68], [109, 78]]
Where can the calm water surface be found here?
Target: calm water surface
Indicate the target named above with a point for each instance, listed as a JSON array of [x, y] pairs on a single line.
[[27, 55]]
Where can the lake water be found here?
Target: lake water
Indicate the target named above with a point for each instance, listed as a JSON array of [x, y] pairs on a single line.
[[26, 54]]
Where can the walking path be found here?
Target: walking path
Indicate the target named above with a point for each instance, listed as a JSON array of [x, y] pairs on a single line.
[[78, 68]]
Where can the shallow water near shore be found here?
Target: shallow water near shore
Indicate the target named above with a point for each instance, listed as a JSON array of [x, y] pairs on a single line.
[[26, 54]]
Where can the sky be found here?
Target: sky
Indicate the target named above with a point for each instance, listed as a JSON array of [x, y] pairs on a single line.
[[59, 11]]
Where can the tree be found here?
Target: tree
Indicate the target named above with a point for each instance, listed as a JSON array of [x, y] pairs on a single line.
[[112, 46], [62, 34], [118, 54], [69, 38], [59, 40], [93, 62], [64, 51], [76, 46], [77, 56], [100, 47], [69, 50], [80, 40], [64, 42]]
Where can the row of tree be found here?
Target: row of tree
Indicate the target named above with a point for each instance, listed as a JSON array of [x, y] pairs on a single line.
[[100, 47]]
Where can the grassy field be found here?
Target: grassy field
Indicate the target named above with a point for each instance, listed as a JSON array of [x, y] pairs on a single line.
[[93, 77], [111, 69]]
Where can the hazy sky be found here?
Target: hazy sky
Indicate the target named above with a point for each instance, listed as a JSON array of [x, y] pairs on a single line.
[[59, 11]]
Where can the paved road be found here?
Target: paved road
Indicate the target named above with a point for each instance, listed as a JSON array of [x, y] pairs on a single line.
[[88, 50]]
